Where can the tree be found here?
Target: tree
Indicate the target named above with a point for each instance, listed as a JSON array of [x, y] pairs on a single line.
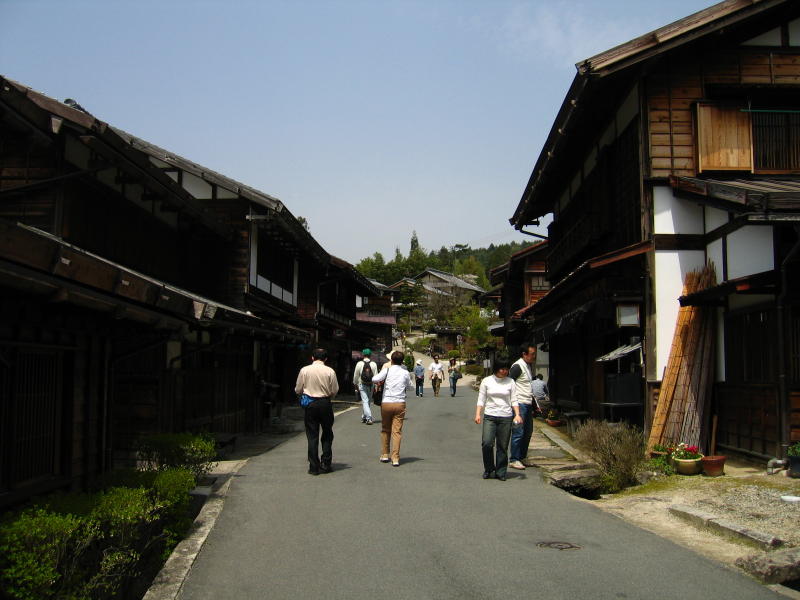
[[473, 322], [374, 267]]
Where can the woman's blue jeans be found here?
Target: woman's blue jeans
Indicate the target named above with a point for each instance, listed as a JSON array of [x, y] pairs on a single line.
[[494, 443], [453, 381]]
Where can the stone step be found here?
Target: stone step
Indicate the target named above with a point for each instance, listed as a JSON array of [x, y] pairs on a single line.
[[580, 482]]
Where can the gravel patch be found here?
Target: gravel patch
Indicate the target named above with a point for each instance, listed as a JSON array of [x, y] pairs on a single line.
[[758, 508]]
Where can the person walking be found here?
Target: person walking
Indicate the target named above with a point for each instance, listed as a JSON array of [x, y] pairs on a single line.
[[497, 397], [397, 381], [317, 386], [521, 372], [454, 374], [437, 374], [419, 376], [362, 380]]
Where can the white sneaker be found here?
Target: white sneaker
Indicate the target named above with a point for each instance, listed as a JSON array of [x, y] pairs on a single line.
[[384, 459], [515, 464]]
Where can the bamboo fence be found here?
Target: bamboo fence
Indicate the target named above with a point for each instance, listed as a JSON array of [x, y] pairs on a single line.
[[682, 407]]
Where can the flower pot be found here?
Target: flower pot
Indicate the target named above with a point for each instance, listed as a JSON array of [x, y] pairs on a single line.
[[794, 466], [713, 466], [658, 453], [553, 422], [688, 466]]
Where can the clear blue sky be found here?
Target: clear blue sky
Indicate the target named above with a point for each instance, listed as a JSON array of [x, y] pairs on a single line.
[[370, 118]]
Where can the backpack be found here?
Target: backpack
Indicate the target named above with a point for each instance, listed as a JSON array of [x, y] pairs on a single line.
[[366, 373]]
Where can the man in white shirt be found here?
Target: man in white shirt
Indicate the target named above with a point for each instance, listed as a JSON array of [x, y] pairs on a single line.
[[521, 372], [437, 374]]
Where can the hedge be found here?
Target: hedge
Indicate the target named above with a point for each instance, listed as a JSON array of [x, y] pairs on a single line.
[[109, 542]]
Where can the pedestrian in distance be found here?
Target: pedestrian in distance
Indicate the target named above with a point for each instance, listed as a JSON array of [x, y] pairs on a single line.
[[362, 380], [437, 374], [317, 386], [497, 397], [397, 382], [454, 374], [419, 377], [522, 374]]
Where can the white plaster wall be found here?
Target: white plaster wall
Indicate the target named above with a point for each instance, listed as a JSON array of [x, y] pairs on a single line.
[[714, 255], [197, 187], [671, 267], [715, 218], [750, 251], [675, 215]]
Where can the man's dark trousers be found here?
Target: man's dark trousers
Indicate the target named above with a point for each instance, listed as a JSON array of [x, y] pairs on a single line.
[[319, 415]]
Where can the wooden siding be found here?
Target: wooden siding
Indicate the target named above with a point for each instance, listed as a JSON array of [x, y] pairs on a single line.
[[672, 91]]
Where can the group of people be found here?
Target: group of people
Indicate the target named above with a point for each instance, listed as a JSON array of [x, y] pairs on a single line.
[[436, 375], [507, 403], [508, 400], [317, 386]]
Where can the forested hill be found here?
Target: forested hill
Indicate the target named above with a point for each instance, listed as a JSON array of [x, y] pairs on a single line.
[[459, 259]]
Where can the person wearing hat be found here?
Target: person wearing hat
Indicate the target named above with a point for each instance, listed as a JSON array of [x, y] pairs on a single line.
[[419, 376], [362, 381]]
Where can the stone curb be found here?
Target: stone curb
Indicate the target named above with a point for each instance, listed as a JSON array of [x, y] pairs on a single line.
[[167, 584], [700, 518], [548, 432]]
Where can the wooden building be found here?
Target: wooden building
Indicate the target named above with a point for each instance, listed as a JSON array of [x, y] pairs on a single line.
[[141, 292], [522, 282], [676, 149]]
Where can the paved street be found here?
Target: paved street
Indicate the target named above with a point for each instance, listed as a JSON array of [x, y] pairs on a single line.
[[431, 528]]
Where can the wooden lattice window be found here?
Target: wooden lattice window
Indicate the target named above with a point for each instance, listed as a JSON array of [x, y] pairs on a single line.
[[776, 141], [750, 347]]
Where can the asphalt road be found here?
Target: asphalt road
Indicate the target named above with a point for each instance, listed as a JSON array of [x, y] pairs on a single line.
[[431, 528]]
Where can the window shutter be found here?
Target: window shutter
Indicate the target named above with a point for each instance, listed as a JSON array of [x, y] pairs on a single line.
[[724, 139]]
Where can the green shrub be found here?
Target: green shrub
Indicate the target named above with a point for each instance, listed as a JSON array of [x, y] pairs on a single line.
[[453, 354], [473, 370], [172, 487], [94, 545], [660, 464], [33, 546], [194, 452], [617, 448]]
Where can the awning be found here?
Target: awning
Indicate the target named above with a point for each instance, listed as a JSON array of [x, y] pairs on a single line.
[[619, 352]]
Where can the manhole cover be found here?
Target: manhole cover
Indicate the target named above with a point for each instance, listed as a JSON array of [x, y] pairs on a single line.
[[559, 545]]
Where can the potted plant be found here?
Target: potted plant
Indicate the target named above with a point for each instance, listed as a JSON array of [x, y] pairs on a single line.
[[687, 459], [794, 460], [552, 418], [714, 465]]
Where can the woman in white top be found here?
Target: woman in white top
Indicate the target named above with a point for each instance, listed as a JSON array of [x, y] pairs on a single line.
[[393, 407], [497, 398]]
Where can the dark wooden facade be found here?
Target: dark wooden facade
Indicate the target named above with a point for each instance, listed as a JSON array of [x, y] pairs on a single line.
[[141, 292]]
